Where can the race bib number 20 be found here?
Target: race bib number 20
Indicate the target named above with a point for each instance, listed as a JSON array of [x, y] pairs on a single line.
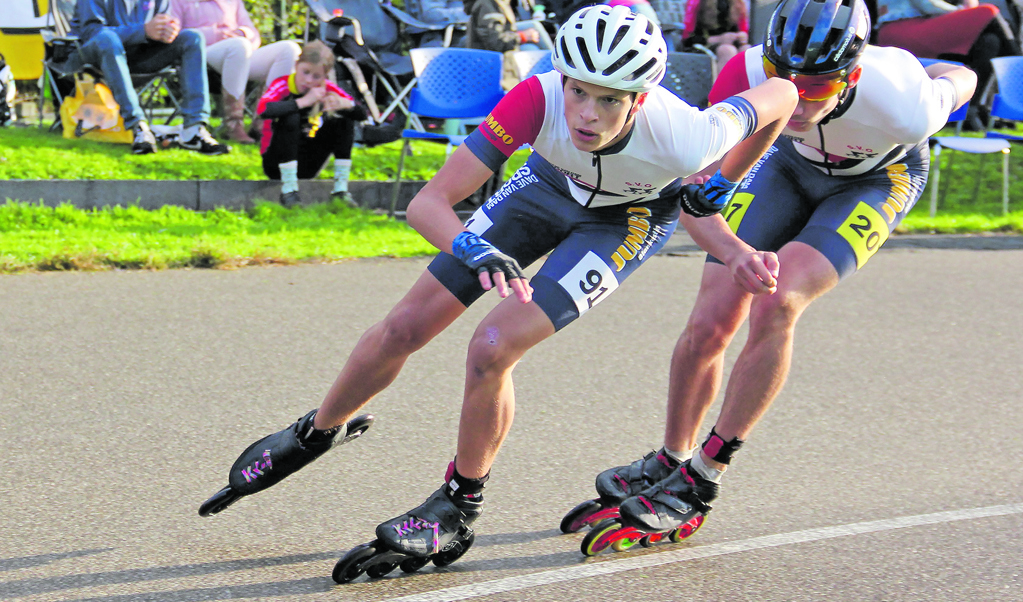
[[589, 282]]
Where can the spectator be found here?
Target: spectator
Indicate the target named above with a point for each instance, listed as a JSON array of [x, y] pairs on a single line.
[[125, 36], [720, 25], [233, 49], [970, 33], [492, 26], [307, 119]]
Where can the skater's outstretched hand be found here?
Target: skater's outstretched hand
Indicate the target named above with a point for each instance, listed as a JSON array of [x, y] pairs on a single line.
[[495, 269]]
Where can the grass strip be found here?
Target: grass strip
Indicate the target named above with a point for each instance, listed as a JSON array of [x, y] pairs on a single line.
[[38, 238]]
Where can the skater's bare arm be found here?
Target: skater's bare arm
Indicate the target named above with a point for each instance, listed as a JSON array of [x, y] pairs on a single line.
[[431, 214]]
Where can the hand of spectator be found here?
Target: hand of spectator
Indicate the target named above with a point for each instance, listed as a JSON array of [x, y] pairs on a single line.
[[741, 38], [333, 102], [527, 36], [311, 97], [163, 28]]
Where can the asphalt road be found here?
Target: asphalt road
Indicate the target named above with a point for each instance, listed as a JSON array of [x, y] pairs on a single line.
[[888, 469]]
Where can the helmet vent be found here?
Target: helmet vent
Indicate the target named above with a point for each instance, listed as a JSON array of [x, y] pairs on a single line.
[[615, 66], [619, 36], [601, 28], [566, 55], [584, 52]]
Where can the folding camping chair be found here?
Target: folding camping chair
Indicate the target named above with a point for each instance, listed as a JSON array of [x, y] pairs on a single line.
[[62, 46], [368, 38]]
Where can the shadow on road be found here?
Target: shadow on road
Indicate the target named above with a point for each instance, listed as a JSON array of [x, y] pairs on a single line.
[[29, 587]]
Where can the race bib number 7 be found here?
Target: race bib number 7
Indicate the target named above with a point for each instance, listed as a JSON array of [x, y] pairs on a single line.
[[589, 282]]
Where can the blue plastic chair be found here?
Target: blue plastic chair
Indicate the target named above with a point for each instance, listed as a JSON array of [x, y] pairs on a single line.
[[965, 144], [532, 62], [451, 83], [1008, 101]]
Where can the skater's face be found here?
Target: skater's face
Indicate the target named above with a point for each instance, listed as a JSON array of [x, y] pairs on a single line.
[[598, 117], [309, 76]]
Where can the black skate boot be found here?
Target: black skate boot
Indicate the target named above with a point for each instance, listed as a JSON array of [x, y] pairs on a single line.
[[614, 485], [269, 460], [671, 504], [438, 530]]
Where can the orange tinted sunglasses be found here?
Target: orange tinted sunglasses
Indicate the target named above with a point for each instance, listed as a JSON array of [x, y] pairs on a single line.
[[811, 87]]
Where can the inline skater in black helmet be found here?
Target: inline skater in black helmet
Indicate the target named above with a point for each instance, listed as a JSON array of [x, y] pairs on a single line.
[[850, 164]]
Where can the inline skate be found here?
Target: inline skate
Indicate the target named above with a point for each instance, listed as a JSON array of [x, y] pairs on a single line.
[[614, 486], [269, 460], [674, 508], [439, 530]]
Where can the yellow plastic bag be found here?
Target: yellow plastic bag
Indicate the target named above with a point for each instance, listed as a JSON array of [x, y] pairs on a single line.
[[92, 113]]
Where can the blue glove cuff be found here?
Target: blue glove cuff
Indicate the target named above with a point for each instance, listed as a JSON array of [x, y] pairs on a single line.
[[718, 189], [468, 247]]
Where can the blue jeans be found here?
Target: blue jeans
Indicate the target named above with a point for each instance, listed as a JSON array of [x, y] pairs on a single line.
[[187, 51]]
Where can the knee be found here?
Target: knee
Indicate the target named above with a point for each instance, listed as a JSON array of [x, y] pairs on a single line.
[[708, 334], [290, 51], [775, 313], [490, 352], [191, 38], [238, 46], [107, 42], [402, 333]]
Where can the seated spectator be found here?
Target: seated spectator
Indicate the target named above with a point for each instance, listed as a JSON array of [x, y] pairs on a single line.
[[121, 37], [720, 25], [969, 33], [233, 50], [307, 119]]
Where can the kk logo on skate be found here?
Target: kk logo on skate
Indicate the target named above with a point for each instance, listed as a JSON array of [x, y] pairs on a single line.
[[251, 473]]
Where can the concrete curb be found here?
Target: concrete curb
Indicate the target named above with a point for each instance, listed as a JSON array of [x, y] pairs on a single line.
[[200, 195]]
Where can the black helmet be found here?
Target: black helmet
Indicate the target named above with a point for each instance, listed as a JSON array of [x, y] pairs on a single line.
[[817, 36]]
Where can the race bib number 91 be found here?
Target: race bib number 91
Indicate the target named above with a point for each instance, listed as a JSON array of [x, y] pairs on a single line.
[[589, 282]]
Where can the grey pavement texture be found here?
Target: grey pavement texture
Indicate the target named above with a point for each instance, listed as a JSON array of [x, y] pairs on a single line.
[[126, 396]]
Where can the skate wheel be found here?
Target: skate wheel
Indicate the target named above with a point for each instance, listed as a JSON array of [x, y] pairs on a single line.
[[220, 500], [411, 565], [625, 543], [580, 516], [687, 530], [357, 426], [350, 565], [379, 570], [600, 537], [649, 540], [445, 558]]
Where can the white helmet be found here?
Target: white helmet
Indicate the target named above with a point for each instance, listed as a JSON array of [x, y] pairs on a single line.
[[611, 47]]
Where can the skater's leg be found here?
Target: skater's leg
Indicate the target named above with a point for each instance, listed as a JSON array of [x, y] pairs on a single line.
[[488, 406], [763, 365], [425, 311], [698, 359]]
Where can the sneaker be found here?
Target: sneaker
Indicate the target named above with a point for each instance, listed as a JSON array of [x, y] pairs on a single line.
[[290, 199], [345, 197], [204, 143], [670, 503], [145, 141]]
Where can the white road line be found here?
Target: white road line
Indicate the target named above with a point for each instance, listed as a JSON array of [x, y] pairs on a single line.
[[609, 567]]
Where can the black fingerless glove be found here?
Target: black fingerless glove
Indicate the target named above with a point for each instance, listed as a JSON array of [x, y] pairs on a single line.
[[482, 256]]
